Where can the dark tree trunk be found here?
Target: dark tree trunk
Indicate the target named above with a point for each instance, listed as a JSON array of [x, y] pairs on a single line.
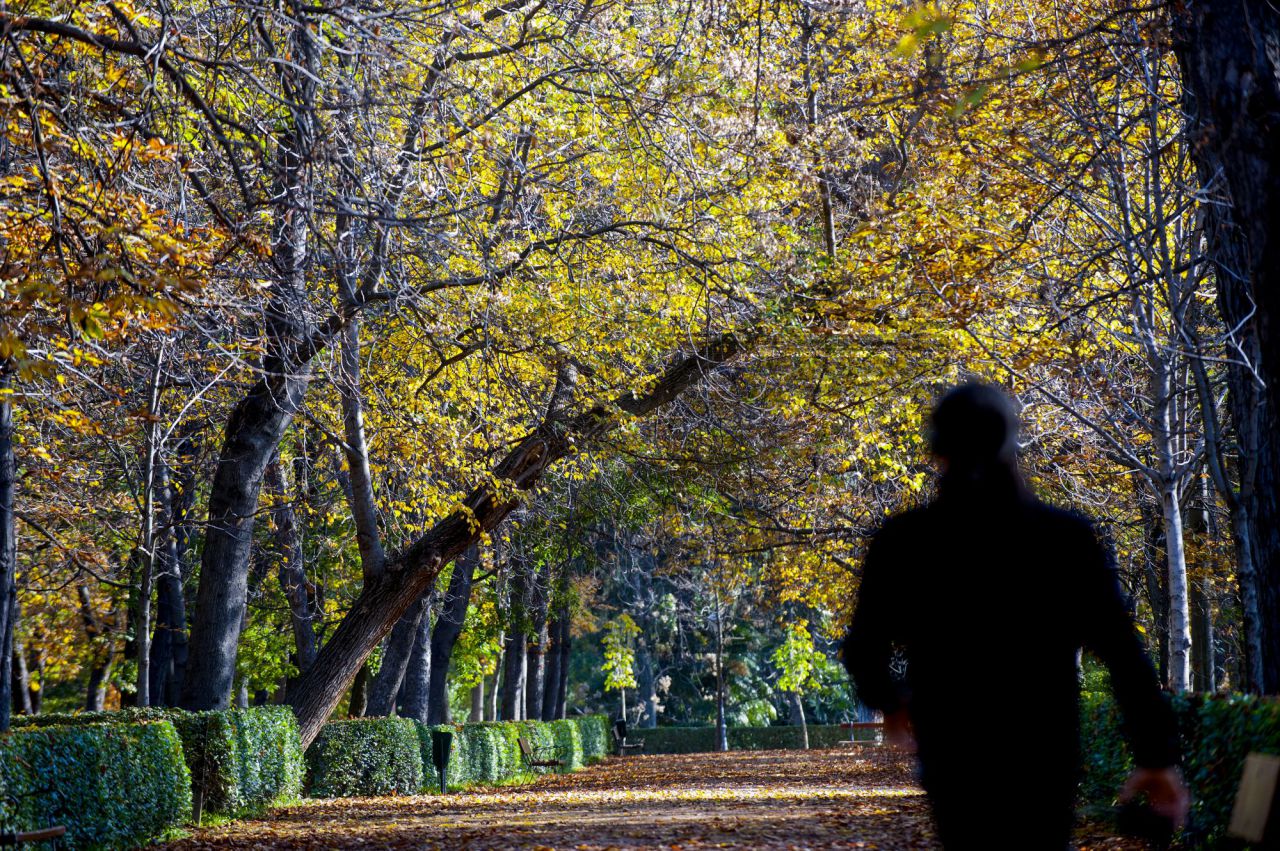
[[413, 571], [444, 637], [566, 645], [1153, 563], [103, 653], [795, 716], [395, 659], [291, 568], [416, 690], [551, 681], [516, 643], [259, 421], [536, 651], [513, 678], [171, 626], [1203, 524], [1231, 82], [185, 538], [477, 702], [169, 644], [357, 706], [256, 427], [8, 548], [1202, 642]]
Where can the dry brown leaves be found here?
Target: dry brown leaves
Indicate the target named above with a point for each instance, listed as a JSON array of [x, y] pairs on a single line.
[[828, 799]]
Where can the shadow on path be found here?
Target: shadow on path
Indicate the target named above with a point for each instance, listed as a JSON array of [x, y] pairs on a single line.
[[743, 799]]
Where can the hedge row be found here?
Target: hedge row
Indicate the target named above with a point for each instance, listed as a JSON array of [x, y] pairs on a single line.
[[1216, 732], [490, 753], [700, 739], [241, 761], [111, 785], [385, 756], [365, 756]]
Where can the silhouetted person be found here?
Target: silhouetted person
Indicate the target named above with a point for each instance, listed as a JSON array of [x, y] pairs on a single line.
[[986, 595]]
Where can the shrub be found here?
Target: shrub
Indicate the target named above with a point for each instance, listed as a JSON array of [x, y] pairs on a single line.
[[112, 785], [567, 738], [597, 737], [481, 754], [365, 756], [241, 761], [488, 753], [1216, 732]]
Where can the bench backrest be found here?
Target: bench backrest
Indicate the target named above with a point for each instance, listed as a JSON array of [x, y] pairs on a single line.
[[524, 747]]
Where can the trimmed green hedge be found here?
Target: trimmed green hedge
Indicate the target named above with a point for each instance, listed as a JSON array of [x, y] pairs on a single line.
[[371, 756], [112, 785], [597, 736], [241, 761], [489, 753], [481, 754], [365, 756], [1216, 734], [701, 739]]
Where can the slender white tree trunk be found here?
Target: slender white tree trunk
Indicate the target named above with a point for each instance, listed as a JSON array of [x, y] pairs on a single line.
[[1179, 598]]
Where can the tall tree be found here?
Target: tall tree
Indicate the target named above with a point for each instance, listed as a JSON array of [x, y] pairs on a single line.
[[1231, 79]]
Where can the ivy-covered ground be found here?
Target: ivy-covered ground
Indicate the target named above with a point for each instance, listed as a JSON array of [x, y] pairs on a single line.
[[822, 799]]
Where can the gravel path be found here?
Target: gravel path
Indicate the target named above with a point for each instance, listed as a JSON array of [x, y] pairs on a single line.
[[740, 800]]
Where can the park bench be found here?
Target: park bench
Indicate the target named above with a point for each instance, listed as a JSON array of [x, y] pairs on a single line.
[[47, 834], [535, 757], [876, 727], [621, 743]]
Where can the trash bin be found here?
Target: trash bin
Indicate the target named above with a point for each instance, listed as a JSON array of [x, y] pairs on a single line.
[[441, 748]]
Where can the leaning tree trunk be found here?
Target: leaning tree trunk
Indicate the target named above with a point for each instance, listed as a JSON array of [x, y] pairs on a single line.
[[1230, 67], [413, 570], [447, 630]]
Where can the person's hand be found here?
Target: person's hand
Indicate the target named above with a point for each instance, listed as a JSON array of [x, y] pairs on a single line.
[[897, 731], [1165, 789]]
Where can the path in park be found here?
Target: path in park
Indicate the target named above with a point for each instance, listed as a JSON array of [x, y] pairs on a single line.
[[763, 799]]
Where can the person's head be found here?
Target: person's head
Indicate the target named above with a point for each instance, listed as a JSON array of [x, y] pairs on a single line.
[[975, 426]]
